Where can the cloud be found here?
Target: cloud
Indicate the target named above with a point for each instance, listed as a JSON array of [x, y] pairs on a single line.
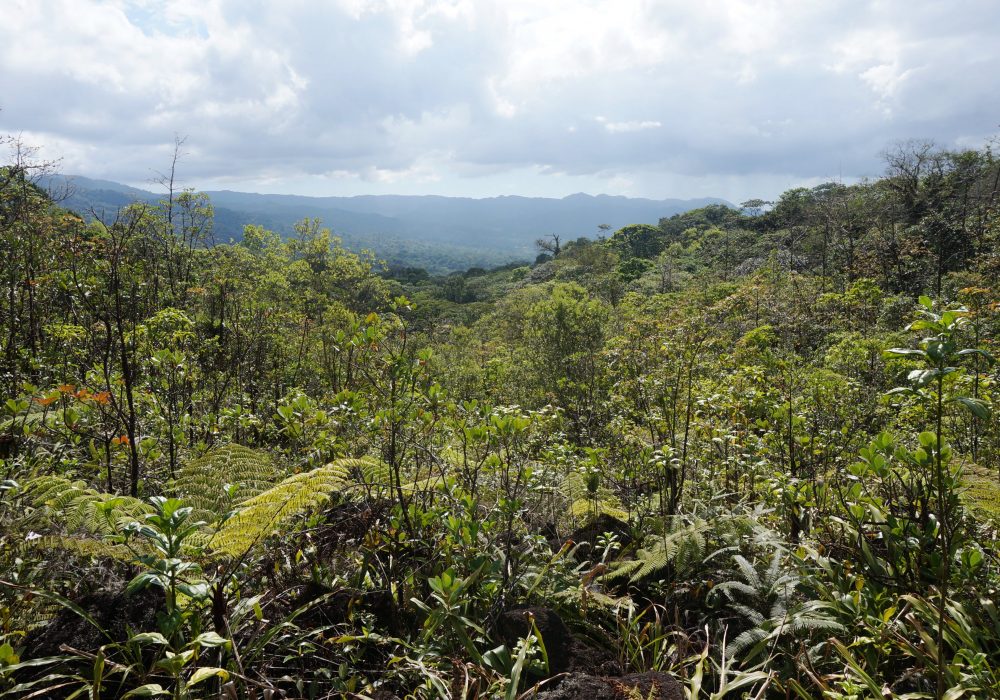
[[624, 127], [481, 97]]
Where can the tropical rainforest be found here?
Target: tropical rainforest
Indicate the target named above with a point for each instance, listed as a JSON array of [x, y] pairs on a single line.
[[741, 453]]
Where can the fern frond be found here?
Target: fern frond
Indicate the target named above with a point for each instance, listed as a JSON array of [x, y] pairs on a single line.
[[371, 472], [749, 573], [622, 570], [587, 508], [425, 484], [72, 506], [86, 547], [681, 547], [53, 492], [746, 640], [806, 624], [779, 608], [202, 483], [774, 570], [752, 616], [259, 516], [730, 588]]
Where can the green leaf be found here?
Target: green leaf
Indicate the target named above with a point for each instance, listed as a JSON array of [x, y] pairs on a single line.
[[146, 691], [979, 408], [955, 693], [207, 672], [31, 663], [741, 680], [906, 352], [140, 582], [927, 439], [7, 655], [926, 302], [976, 351], [846, 655], [923, 377], [210, 639], [937, 350], [499, 660], [149, 638], [515, 673]]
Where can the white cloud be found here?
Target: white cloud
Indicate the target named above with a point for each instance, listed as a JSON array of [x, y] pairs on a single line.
[[624, 127], [467, 95]]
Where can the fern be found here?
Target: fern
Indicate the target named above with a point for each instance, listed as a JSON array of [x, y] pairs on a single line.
[[587, 508], [681, 547], [73, 507], [766, 602], [586, 504], [206, 483], [803, 622], [259, 516], [86, 547], [87, 517]]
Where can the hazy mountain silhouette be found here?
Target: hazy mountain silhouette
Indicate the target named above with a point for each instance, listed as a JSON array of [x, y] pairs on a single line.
[[487, 230]]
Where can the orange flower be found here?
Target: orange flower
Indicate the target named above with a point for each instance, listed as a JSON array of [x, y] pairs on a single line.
[[122, 440], [46, 401], [102, 397], [67, 388]]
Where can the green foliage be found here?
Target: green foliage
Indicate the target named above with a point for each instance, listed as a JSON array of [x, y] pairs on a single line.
[[261, 515], [345, 480], [681, 547], [223, 476], [76, 509]]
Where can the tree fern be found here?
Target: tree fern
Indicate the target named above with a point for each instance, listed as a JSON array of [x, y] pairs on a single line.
[[79, 518], [259, 516], [86, 546]]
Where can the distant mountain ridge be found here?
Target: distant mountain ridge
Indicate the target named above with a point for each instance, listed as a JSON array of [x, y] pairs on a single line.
[[479, 231]]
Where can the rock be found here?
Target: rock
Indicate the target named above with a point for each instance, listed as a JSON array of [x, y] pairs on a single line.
[[652, 685], [565, 651], [590, 534]]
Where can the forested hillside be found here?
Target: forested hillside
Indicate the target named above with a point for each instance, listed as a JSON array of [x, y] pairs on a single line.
[[440, 234], [743, 453]]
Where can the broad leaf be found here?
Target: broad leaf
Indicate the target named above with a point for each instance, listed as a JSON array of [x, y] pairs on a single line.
[[979, 408]]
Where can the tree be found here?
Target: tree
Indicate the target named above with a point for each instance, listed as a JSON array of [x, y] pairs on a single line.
[[565, 333], [549, 244], [639, 240]]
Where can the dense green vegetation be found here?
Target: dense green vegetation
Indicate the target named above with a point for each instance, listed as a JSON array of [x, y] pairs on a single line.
[[752, 449], [439, 234]]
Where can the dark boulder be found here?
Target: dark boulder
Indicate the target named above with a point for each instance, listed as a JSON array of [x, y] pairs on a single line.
[[566, 652], [590, 534], [652, 685]]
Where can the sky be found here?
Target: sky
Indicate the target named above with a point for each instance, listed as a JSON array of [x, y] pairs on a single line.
[[658, 99]]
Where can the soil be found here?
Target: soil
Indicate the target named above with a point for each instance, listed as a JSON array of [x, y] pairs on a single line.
[[115, 612]]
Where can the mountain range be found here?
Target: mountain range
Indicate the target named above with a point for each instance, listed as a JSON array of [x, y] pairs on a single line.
[[436, 232]]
